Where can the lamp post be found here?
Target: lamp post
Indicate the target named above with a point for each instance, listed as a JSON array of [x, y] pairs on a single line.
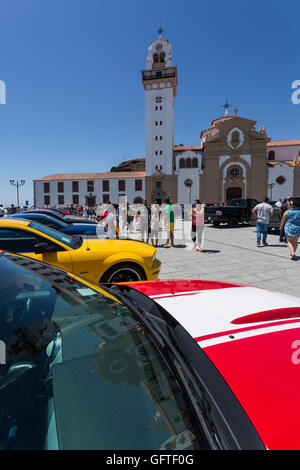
[[271, 186], [17, 184], [189, 183]]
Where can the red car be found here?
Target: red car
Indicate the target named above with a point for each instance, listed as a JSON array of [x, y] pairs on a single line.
[[164, 365], [61, 211]]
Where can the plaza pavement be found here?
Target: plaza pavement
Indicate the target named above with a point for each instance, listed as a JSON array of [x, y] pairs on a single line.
[[230, 254]]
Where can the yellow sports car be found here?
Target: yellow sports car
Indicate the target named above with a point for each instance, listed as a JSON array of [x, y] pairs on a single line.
[[98, 260]]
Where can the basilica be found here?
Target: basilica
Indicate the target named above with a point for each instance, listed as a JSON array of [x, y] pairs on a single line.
[[234, 157]]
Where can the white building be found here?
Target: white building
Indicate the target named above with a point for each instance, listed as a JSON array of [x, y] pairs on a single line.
[[89, 188]]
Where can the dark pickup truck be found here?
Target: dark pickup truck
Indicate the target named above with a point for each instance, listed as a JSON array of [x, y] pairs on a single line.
[[236, 211]]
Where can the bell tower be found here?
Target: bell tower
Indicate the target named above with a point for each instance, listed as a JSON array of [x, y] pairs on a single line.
[[160, 84]]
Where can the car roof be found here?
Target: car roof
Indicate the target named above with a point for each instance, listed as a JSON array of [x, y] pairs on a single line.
[[35, 215], [251, 335], [10, 221]]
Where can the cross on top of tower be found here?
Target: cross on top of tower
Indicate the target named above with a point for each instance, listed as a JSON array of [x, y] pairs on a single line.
[[160, 31], [226, 106]]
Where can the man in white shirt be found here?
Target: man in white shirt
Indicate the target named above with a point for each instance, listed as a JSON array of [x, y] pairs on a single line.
[[111, 221], [262, 214], [278, 203]]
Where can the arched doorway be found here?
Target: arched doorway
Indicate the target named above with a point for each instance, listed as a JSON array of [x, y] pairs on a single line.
[[233, 192], [158, 195]]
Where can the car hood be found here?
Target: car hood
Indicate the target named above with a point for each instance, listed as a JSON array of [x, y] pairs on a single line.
[[251, 335], [118, 245]]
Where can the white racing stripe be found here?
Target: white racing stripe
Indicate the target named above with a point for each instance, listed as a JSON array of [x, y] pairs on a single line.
[[212, 311], [247, 334]]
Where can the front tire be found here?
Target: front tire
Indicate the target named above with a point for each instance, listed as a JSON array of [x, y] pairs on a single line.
[[233, 222], [123, 272]]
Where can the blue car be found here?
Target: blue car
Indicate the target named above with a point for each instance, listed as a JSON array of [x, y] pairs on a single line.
[[60, 225], [69, 219]]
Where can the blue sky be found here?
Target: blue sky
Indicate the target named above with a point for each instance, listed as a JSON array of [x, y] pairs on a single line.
[[75, 102]]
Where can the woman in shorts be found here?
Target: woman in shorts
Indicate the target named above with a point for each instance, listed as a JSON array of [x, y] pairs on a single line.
[[291, 223]]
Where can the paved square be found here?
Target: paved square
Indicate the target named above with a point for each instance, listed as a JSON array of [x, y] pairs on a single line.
[[230, 254]]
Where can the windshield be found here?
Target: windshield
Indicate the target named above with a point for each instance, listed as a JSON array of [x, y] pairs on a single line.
[[45, 220], [77, 360], [55, 214], [51, 232], [51, 220], [237, 203]]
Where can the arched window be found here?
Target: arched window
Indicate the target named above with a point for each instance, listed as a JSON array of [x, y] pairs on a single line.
[[195, 162], [235, 138], [162, 57], [271, 155], [182, 163], [188, 163], [155, 58]]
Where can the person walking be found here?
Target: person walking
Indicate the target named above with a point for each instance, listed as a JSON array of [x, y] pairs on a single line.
[[286, 205], [169, 217], [291, 223], [262, 214], [155, 219], [197, 233], [145, 219], [111, 221], [13, 210]]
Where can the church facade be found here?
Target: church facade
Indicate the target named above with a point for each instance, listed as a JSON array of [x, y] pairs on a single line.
[[233, 158]]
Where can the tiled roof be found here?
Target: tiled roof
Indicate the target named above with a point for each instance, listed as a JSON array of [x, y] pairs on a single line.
[[282, 143], [181, 148], [287, 162], [92, 176]]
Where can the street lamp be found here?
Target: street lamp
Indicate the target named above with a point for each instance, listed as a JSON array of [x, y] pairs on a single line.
[[189, 183], [17, 184]]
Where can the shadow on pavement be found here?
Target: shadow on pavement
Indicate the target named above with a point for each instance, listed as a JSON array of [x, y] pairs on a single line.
[[225, 226]]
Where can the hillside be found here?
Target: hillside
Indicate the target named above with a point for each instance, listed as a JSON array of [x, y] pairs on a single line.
[[137, 164]]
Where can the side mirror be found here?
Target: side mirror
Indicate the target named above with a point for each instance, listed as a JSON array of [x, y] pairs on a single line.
[[44, 247]]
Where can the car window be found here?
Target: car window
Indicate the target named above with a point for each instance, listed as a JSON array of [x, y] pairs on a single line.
[[44, 221], [238, 203], [20, 241], [78, 360], [58, 223], [54, 214], [50, 222], [60, 237]]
